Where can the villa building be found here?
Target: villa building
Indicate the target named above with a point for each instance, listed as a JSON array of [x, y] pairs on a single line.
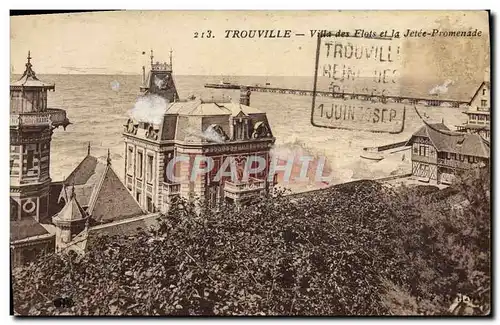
[[193, 128], [478, 114], [437, 153]]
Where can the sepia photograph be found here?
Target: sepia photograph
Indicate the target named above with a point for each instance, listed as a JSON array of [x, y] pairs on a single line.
[[250, 163]]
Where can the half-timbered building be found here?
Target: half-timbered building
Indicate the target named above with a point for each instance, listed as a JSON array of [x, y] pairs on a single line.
[[437, 153]]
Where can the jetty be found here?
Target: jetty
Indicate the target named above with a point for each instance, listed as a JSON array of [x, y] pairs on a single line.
[[343, 95]]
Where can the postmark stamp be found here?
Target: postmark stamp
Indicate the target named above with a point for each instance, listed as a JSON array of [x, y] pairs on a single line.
[[356, 84]]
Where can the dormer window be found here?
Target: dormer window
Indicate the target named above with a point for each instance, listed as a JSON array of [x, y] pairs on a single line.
[[215, 133], [241, 128], [261, 130]]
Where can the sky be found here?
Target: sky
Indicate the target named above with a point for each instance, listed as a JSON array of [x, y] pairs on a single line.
[[114, 42]]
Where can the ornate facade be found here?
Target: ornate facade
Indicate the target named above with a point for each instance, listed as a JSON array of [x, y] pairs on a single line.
[[192, 129]]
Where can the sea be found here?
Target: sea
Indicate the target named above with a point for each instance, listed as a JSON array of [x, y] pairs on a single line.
[[99, 105]]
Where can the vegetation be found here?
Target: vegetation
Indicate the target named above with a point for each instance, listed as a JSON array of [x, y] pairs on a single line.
[[359, 248]]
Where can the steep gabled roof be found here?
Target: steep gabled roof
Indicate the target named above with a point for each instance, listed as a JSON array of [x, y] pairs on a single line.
[[83, 192], [83, 180], [475, 145], [99, 189], [111, 200], [445, 140], [486, 84], [83, 173]]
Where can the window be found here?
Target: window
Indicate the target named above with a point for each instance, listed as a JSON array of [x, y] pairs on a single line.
[[138, 197], [165, 170], [483, 102], [149, 167], [29, 159], [415, 149], [212, 201], [473, 116], [149, 204], [254, 166], [216, 166], [130, 159], [241, 129], [423, 151], [453, 156], [139, 164], [484, 91], [14, 210]]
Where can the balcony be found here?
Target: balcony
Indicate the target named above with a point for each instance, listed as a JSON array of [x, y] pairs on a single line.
[[172, 188], [239, 190], [473, 126], [454, 163], [52, 116]]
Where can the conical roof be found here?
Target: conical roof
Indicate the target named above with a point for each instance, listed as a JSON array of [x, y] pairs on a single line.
[[71, 212]]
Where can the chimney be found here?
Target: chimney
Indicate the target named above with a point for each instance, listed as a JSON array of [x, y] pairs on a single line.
[[245, 96]]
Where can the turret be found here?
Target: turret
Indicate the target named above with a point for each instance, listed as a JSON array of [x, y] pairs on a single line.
[[160, 80], [70, 221], [31, 127]]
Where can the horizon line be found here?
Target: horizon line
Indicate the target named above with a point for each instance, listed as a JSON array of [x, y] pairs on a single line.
[[140, 74]]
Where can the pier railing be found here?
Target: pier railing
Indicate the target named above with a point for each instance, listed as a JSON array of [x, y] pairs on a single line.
[[374, 97]]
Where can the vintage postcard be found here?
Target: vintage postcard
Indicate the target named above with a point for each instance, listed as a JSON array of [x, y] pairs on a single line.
[[250, 163]]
